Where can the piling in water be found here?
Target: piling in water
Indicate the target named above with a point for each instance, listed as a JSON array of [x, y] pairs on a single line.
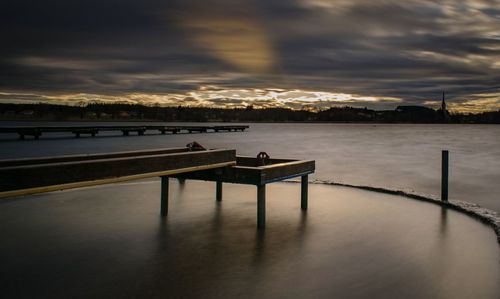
[[444, 175]]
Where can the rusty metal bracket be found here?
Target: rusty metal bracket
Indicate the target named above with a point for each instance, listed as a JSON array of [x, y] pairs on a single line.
[[262, 159]]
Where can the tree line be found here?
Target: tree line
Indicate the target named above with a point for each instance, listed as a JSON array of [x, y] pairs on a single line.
[[135, 112]]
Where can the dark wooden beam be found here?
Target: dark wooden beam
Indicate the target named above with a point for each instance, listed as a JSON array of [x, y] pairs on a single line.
[[261, 206], [70, 158], [45, 177], [218, 191], [164, 196], [303, 192], [254, 175]]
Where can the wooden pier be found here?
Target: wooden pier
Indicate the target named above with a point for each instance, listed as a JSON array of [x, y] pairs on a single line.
[[36, 175], [251, 171], [78, 131]]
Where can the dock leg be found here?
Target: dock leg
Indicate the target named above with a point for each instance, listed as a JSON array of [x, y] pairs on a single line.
[[303, 192], [164, 196], [218, 191], [261, 206]]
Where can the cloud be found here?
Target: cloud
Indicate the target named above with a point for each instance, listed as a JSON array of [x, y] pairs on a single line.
[[367, 49]]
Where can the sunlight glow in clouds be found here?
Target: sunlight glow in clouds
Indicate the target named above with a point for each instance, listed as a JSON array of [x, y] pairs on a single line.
[[213, 97], [236, 37]]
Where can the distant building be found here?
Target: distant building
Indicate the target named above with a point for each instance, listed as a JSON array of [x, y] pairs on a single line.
[[415, 114], [27, 112], [413, 109], [442, 112]]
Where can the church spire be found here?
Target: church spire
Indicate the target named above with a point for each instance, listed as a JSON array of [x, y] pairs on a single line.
[[444, 113], [443, 104]]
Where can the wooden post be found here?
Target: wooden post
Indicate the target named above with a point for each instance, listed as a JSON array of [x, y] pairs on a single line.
[[304, 191], [218, 191], [261, 206], [164, 196], [444, 176]]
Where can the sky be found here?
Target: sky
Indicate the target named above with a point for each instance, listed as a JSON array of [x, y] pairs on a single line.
[[300, 54]]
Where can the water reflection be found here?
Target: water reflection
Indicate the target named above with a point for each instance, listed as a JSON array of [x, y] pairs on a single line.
[[111, 242], [444, 221]]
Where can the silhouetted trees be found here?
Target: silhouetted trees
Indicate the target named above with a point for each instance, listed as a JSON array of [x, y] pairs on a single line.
[[128, 112]]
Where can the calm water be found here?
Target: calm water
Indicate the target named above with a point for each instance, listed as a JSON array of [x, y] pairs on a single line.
[[109, 242], [391, 156]]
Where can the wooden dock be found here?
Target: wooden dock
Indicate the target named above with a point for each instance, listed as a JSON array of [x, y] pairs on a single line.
[[78, 131], [36, 175], [251, 171]]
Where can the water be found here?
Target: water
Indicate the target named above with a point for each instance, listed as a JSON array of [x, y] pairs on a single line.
[[109, 242], [404, 157]]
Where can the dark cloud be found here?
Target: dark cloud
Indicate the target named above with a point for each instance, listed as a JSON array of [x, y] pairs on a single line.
[[381, 48]]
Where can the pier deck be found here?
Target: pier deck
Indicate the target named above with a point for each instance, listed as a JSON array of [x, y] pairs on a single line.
[[78, 131], [28, 176], [36, 175], [250, 171]]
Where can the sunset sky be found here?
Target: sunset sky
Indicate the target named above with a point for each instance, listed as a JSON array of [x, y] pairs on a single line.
[[266, 53]]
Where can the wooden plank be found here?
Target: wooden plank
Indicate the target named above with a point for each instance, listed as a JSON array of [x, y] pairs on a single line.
[[272, 173], [41, 175], [51, 188], [252, 161], [69, 158], [255, 175], [236, 175]]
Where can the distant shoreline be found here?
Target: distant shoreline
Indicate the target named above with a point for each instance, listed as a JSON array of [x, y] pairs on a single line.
[[231, 122], [140, 113]]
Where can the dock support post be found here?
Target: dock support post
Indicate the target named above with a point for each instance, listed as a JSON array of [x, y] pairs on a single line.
[[444, 175], [164, 196], [304, 191], [218, 191], [261, 206]]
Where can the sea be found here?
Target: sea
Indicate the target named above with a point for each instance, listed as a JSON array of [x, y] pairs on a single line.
[[394, 156], [110, 242]]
